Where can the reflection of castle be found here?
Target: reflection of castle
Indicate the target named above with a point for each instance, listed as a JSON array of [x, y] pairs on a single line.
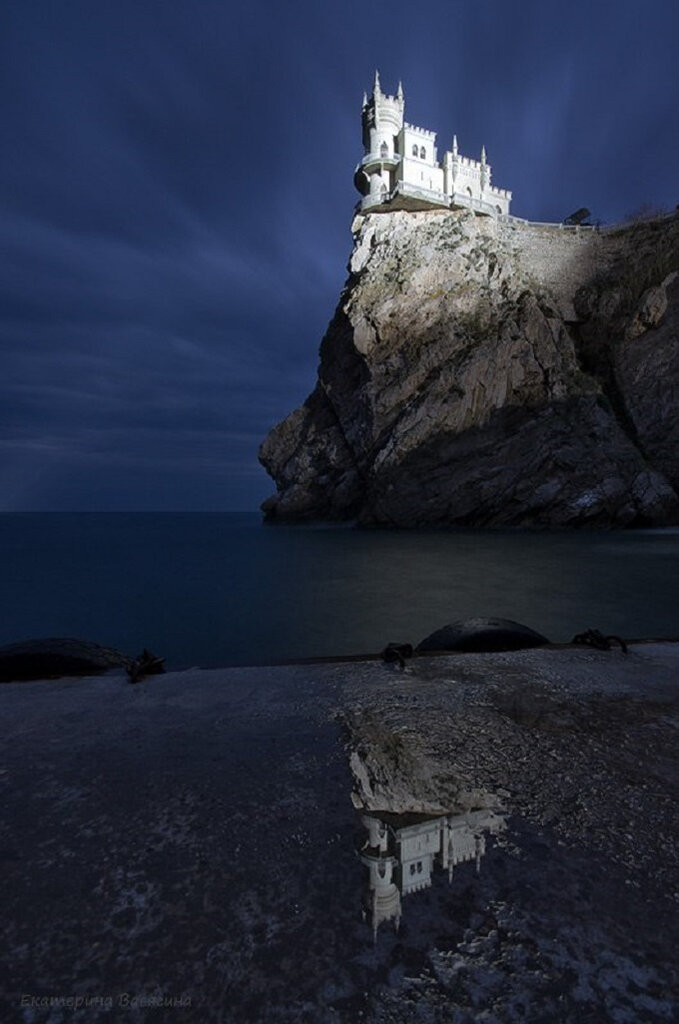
[[402, 849], [400, 169]]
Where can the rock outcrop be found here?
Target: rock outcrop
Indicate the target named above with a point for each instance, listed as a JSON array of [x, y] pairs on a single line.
[[53, 657], [482, 373]]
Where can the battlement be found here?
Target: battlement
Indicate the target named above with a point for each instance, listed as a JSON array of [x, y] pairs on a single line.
[[420, 131], [400, 164]]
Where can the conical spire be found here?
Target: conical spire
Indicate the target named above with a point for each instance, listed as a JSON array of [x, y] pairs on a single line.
[[454, 145], [365, 98], [399, 92], [376, 87], [483, 154]]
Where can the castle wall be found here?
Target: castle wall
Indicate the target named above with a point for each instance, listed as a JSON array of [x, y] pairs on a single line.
[[421, 174], [411, 137], [559, 259]]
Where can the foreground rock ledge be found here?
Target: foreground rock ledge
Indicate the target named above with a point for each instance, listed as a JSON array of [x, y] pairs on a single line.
[[193, 838], [481, 373]]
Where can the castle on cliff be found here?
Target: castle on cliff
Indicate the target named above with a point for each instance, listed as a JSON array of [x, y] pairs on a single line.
[[400, 169]]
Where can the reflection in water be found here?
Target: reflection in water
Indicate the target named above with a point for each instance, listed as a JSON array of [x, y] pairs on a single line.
[[401, 851]]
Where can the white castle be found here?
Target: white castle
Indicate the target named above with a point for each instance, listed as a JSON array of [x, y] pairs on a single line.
[[400, 169], [402, 849]]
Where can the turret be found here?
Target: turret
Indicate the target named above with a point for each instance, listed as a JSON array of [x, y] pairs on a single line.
[[382, 121]]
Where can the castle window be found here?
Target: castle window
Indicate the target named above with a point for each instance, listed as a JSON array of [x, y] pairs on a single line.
[[414, 150], [384, 149], [423, 153]]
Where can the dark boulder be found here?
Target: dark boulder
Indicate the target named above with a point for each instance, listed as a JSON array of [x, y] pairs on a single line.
[[482, 635], [52, 657]]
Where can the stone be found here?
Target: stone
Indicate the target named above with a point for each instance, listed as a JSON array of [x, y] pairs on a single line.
[[482, 634], [652, 308], [51, 657]]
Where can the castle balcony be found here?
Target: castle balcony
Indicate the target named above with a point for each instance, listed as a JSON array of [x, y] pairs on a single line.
[[404, 197], [374, 160], [409, 197], [414, 197], [371, 164], [482, 206]]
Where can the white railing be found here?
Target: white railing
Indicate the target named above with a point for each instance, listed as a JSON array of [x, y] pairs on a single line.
[[374, 158], [419, 192], [509, 218]]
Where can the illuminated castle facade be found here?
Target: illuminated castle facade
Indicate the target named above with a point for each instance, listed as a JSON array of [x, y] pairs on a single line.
[[401, 170]]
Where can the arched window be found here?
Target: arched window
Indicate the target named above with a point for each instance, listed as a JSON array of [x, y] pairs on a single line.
[[423, 153], [384, 149], [414, 150]]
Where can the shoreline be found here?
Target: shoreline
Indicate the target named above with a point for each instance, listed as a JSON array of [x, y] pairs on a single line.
[[338, 659]]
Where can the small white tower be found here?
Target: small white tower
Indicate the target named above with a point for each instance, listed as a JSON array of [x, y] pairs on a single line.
[[382, 118]]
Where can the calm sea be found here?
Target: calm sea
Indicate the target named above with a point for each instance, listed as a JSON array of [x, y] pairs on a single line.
[[221, 589]]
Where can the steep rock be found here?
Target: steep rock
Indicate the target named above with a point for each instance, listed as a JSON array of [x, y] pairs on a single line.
[[484, 374]]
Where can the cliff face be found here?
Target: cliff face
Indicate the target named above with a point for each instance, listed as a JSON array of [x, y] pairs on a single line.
[[484, 374]]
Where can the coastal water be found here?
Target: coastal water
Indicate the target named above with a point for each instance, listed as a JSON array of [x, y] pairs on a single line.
[[221, 589]]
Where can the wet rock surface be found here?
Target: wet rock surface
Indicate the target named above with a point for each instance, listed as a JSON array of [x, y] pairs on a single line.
[[482, 634], [190, 842], [480, 373], [575, 915]]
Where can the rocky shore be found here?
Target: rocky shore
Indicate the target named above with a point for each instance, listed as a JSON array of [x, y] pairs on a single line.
[[192, 841]]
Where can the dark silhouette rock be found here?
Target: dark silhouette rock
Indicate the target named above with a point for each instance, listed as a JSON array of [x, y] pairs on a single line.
[[579, 217], [50, 657], [594, 638], [397, 654], [482, 634], [146, 664]]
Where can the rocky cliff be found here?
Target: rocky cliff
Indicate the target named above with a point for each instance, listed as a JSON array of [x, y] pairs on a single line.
[[482, 373]]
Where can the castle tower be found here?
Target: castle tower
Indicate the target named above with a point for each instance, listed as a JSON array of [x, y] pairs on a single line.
[[382, 120], [383, 897]]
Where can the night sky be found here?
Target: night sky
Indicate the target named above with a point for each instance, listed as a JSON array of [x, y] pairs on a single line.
[[177, 196]]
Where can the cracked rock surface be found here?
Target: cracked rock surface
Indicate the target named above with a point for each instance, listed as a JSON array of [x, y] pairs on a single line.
[[482, 373], [190, 842]]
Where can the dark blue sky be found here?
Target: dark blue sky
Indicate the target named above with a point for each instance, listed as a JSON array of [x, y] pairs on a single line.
[[177, 195]]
